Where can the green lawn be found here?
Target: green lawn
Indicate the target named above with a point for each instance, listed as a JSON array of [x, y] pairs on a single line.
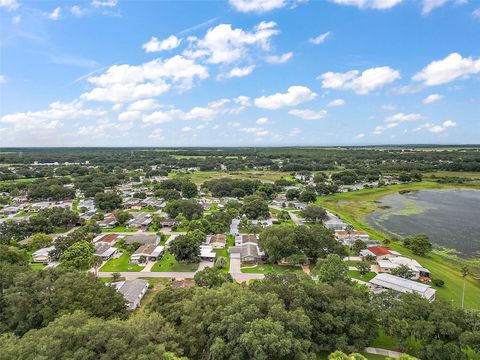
[[383, 341], [119, 229], [37, 266], [353, 207], [356, 275], [169, 263], [269, 268], [75, 205], [121, 264]]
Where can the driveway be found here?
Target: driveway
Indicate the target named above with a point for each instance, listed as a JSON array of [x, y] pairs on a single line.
[[295, 218], [148, 267], [205, 264], [234, 264]]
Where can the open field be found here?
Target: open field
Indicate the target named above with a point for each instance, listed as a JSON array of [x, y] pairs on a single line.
[[355, 274], [199, 177], [169, 263], [121, 264], [353, 208]]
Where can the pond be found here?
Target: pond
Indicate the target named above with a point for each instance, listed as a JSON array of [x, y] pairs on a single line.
[[451, 218]]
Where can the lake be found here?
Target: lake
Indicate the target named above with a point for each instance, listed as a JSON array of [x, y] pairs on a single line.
[[451, 218]]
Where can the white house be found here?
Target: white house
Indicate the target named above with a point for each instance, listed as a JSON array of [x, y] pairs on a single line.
[[389, 281], [41, 255]]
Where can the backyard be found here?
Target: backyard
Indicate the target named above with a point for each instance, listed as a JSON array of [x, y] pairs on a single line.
[[121, 264], [269, 268], [168, 263]]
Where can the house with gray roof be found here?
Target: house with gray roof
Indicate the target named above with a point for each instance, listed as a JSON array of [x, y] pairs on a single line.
[[104, 250], [396, 283], [133, 291]]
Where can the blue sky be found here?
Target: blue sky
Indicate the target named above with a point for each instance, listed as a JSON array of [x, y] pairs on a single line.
[[239, 72]]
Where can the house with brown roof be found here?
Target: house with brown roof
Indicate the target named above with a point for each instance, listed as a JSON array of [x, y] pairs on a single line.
[[109, 239], [148, 252], [217, 241], [379, 252]]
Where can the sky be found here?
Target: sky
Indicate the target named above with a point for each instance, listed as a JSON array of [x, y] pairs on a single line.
[[239, 72]]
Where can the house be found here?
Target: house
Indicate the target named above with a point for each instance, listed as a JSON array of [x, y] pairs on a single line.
[[109, 239], [168, 222], [9, 210], [378, 252], [217, 241], [108, 222], [333, 222], [105, 251], [299, 206], [246, 238], [386, 265], [141, 220], [396, 283], [247, 247], [234, 226], [132, 290], [357, 234], [142, 239], [262, 223], [42, 255], [207, 253], [88, 204], [149, 252]]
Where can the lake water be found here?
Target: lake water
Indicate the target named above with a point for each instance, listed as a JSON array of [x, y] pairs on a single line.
[[451, 218]]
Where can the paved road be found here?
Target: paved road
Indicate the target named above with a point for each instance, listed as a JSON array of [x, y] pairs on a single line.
[[295, 218], [383, 352], [234, 264], [135, 275]]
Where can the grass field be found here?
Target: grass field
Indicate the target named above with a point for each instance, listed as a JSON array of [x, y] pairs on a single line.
[[121, 264], [356, 275], [37, 266], [169, 263], [353, 208], [224, 252], [269, 268], [199, 177], [119, 229]]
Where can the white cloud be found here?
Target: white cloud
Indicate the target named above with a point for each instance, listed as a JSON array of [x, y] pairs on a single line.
[[380, 128], [294, 96], [401, 117], [156, 134], [16, 19], [369, 4], [144, 105], [234, 124], [154, 45], [237, 72], [55, 14], [257, 6], [106, 3], [77, 11], [3, 79], [187, 129], [429, 5], [360, 136], [336, 102], [130, 115], [361, 83], [437, 129], [389, 107], [320, 38], [295, 132], [476, 13], [430, 99], [279, 59], [451, 68], [10, 5], [257, 132], [122, 83], [225, 45], [262, 121], [308, 114]]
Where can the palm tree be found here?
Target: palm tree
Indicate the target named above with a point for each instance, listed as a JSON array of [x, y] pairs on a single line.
[[96, 262], [349, 229], [465, 273]]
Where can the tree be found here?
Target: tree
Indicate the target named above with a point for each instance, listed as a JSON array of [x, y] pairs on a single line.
[[331, 270], [39, 241], [122, 216], [108, 201], [419, 244], [363, 268], [96, 262], [307, 195], [186, 247], [292, 194], [188, 208], [168, 194], [314, 213], [221, 262], [116, 277], [189, 189], [255, 207], [212, 277], [339, 355], [78, 256], [13, 255], [358, 246], [403, 271]]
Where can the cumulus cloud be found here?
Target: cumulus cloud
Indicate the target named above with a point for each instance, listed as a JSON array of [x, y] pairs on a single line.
[[320, 38], [154, 45], [401, 117], [121, 83], [156, 134], [225, 45], [262, 121], [187, 129], [256, 131], [144, 105], [106, 3], [362, 83], [10, 5], [430, 99], [77, 11], [389, 107], [336, 102], [279, 59], [55, 14], [257, 6], [3, 80], [437, 129], [308, 114], [369, 4], [429, 5], [237, 72], [360, 136], [381, 128], [295, 95], [295, 132], [453, 67]]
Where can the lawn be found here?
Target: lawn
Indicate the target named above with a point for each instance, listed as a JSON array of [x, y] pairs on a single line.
[[169, 263], [120, 264], [383, 341], [353, 207], [224, 252], [37, 266], [269, 268], [356, 275], [199, 177], [119, 229]]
